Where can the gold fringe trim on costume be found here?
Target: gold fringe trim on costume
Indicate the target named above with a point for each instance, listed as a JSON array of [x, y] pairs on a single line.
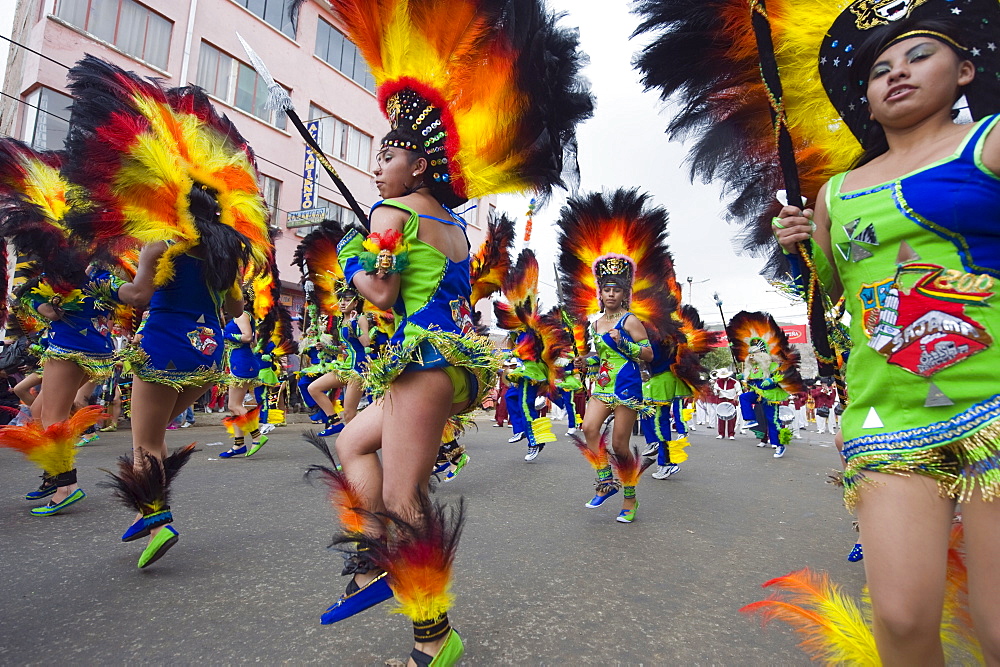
[[97, 367], [244, 383], [641, 408], [471, 352], [960, 466], [202, 376]]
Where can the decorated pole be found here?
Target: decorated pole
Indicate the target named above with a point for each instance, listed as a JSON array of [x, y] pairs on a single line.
[[278, 99], [815, 298]]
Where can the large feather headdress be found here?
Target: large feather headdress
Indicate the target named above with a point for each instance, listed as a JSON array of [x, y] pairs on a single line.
[[490, 88], [617, 226], [140, 149], [703, 58], [539, 337], [35, 200], [489, 266], [758, 332]]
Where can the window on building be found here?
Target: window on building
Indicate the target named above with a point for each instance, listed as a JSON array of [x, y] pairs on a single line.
[[272, 12], [271, 188], [133, 28], [341, 140], [45, 128], [334, 48], [235, 83]]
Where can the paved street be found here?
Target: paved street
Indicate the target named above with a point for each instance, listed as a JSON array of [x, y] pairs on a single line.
[[539, 578]]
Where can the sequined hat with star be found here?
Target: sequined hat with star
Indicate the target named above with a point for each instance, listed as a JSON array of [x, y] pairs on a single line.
[[867, 28]]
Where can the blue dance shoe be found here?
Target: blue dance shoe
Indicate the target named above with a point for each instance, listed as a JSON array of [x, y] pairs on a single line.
[[371, 594], [599, 498], [234, 451], [331, 430]]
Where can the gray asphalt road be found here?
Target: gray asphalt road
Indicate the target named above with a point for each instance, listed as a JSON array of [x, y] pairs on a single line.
[[539, 578]]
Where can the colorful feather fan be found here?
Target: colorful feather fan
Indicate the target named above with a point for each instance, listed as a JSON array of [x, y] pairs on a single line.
[[745, 328], [693, 343], [52, 449], [833, 627], [703, 58], [836, 630], [599, 460], [630, 466], [139, 150], [617, 223], [35, 200], [489, 266], [502, 76]]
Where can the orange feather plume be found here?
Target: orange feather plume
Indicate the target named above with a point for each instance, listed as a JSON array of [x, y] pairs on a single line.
[[140, 149], [502, 75], [630, 466], [417, 554], [489, 266], [617, 223], [53, 449], [247, 423], [346, 501], [316, 257], [598, 460], [833, 627]]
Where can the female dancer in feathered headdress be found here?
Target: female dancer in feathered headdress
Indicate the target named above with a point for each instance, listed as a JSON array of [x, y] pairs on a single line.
[[74, 293], [482, 97], [870, 89], [770, 373], [611, 268], [535, 345], [166, 171]]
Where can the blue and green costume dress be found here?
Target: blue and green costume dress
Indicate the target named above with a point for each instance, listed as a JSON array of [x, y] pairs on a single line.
[[244, 365], [526, 379], [919, 259], [434, 327], [615, 370], [182, 341], [83, 334], [762, 399], [352, 359]]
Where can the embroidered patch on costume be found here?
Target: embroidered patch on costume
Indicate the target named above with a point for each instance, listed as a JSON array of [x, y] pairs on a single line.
[[461, 313], [872, 420], [872, 297], [854, 250], [203, 340], [604, 374], [924, 329], [871, 13], [101, 325]]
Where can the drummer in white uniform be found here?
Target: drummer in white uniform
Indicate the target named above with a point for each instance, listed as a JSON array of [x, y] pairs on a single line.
[[728, 391]]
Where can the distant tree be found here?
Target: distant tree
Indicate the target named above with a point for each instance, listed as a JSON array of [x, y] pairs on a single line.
[[717, 357]]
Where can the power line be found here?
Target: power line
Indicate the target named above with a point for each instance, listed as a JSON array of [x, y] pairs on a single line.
[[315, 181]]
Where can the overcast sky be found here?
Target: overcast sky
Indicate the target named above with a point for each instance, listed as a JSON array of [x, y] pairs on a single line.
[[624, 146]]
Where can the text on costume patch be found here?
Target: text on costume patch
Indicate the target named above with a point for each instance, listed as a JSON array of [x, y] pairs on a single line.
[[925, 329]]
